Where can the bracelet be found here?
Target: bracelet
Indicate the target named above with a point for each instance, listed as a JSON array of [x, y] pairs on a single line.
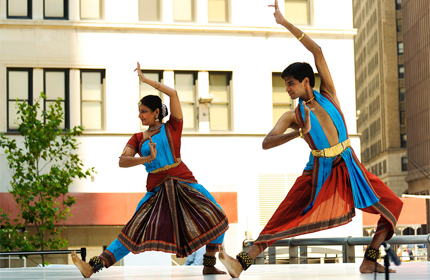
[[149, 159], [301, 37], [157, 85], [301, 133]]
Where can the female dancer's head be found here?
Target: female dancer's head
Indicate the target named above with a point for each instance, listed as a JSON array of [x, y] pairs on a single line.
[[152, 110]]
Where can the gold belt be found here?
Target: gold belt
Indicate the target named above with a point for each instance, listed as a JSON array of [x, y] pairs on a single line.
[[332, 151], [166, 167]]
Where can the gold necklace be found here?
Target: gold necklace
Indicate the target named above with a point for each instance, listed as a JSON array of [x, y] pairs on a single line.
[[310, 100]]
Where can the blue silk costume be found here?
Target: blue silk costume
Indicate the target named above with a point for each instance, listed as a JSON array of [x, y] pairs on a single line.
[[362, 191], [163, 159]]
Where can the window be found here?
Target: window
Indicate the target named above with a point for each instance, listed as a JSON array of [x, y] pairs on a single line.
[[146, 89], [398, 4], [219, 110], [149, 10], [19, 87], [56, 85], [183, 10], [399, 48], [403, 140], [401, 72], [399, 25], [297, 11], [384, 168], [218, 11], [19, 9], [402, 117], [91, 9], [281, 100], [271, 192], [404, 164], [92, 99], [185, 85], [402, 94], [55, 9]]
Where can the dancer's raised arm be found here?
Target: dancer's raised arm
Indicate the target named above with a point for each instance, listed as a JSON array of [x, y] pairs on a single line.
[[175, 104], [327, 84]]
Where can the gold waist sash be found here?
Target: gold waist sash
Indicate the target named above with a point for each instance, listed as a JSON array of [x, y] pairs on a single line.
[[332, 151], [167, 167]]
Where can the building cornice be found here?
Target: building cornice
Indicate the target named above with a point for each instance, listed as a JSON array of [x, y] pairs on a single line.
[[175, 28]]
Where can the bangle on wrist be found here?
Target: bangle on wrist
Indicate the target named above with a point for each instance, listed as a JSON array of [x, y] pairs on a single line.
[[301, 37], [301, 133], [149, 159]]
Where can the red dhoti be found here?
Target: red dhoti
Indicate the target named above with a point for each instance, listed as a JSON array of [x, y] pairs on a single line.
[[334, 206]]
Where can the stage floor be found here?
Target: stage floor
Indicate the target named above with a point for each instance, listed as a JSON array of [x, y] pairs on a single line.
[[408, 270]]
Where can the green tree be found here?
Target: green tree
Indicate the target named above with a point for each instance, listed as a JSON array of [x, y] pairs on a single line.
[[41, 173]]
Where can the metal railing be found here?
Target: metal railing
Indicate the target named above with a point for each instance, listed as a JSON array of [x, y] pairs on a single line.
[[82, 251], [348, 245]]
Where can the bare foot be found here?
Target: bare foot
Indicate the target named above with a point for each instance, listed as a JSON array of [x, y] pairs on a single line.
[[369, 267], [83, 267], [233, 266], [212, 270]]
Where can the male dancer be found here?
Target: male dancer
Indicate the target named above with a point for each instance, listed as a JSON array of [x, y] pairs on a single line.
[[334, 182]]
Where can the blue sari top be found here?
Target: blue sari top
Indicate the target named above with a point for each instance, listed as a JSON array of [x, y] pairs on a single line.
[[361, 190]]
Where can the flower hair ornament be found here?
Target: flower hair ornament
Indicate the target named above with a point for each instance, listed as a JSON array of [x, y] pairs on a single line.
[[163, 110]]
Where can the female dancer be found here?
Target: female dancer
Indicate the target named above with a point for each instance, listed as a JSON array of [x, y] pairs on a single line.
[[177, 215]]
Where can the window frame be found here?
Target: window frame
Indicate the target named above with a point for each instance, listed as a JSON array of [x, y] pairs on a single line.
[[160, 80], [29, 11], [66, 12], [195, 107], [101, 15], [66, 93], [404, 164], [401, 75], [227, 6], [160, 6], [403, 140], [193, 13], [402, 94], [279, 104], [398, 48], [309, 11], [229, 98], [103, 97], [398, 5], [30, 92]]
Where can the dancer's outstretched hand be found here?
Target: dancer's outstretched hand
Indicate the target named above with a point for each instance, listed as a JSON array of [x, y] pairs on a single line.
[[278, 15], [139, 72]]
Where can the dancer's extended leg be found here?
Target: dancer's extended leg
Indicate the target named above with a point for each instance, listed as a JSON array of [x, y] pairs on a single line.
[[83, 267], [369, 266], [234, 267]]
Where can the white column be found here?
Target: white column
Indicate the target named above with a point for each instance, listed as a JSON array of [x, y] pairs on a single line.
[[75, 97], [3, 11], [167, 11], [201, 11], [37, 10], [37, 82], [74, 10]]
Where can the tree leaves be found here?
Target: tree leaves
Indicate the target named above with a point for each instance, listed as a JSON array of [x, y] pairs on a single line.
[[42, 172]]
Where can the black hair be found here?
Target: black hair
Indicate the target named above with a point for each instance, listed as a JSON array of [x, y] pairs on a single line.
[[299, 71], [153, 102]]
